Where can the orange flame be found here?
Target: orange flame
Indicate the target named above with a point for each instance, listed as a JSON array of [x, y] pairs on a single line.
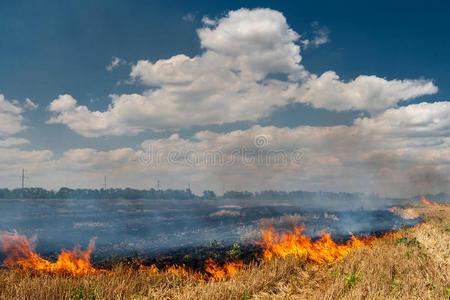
[[183, 272], [21, 255], [424, 201], [152, 269], [295, 243], [214, 271], [228, 270]]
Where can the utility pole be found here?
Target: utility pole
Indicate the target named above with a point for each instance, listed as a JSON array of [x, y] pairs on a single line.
[[157, 185], [23, 183], [23, 179], [104, 185]]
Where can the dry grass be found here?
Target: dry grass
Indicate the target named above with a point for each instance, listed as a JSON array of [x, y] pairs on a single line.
[[412, 265], [123, 284]]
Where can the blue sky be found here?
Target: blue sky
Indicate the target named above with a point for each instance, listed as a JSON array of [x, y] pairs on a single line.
[[52, 48]]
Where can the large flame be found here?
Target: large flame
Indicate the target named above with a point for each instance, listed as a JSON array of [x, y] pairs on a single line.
[[228, 270], [20, 254], [295, 243]]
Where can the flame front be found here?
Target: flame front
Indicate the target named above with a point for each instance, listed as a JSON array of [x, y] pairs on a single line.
[[21, 255], [295, 243], [228, 270]]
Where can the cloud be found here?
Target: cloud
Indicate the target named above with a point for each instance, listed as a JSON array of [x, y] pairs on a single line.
[[423, 120], [63, 103], [10, 117], [320, 36], [388, 153], [9, 142], [370, 93], [226, 83], [189, 17], [259, 41], [30, 104], [114, 63], [12, 160], [83, 121], [417, 120], [209, 22], [250, 65], [364, 157]]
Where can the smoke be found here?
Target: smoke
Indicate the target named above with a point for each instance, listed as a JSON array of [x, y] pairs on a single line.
[[428, 180]]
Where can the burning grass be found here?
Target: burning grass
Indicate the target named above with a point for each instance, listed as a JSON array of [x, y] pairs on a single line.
[[412, 264], [20, 251], [294, 243]]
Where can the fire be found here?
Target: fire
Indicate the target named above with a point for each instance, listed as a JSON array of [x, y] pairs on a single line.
[[183, 272], [152, 269], [213, 271], [228, 270], [21, 254], [295, 243], [425, 202], [176, 270]]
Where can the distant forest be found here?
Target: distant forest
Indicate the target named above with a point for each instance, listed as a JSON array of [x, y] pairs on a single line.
[[129, 193]]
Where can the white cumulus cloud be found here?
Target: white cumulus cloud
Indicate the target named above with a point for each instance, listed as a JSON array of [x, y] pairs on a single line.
[[370, 93], [11, 119], [400, 152], [250, 64]]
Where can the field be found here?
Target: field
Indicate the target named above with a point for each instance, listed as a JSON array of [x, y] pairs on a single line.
[[413, 263]]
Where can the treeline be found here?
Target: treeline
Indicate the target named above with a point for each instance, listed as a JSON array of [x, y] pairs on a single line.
[[129, 193], [278, 195], [112, 193]]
